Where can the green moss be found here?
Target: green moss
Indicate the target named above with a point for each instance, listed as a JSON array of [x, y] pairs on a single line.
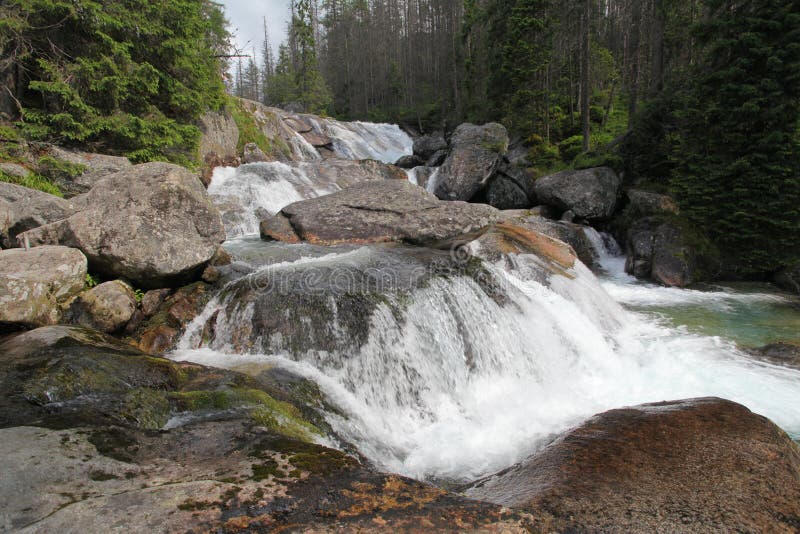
[[32, 181], [278, 416], [251, 132], [266, 469], [145, 408], [321, 462]]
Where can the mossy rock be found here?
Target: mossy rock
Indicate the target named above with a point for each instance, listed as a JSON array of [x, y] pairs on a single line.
[[70, 376]]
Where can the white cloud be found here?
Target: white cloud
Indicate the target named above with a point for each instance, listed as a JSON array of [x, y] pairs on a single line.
[[247, 23]]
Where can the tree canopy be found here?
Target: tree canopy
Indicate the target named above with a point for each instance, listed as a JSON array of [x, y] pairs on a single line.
[[126, 77]]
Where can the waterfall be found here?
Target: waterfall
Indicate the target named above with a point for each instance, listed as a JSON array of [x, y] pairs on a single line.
[[365, 140], [249, 193], [451, 377]]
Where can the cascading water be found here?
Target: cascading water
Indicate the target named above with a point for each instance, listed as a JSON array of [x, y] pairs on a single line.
[[453, 372], [454, 376], [247, 194], [365, 140]]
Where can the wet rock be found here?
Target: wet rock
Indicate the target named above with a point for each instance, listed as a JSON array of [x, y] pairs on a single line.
[[683, 466], [658, 249], [427, 145], [62, 376], [475, 153], [152, 300], [163, 329], [781, 353], [177, 228], [253, 154], [571, 234], [640, 242], [378, 211], [591, 194], [789, 278], [507, 238], [34, 283], [107, 307], [409, 162], [24, 209], [673, 261]]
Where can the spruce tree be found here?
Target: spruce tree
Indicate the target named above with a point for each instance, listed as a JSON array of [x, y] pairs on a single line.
[[737, 164]]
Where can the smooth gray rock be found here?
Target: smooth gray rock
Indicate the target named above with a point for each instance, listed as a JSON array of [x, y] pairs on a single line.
[[23, 209], [14, 169], [152, 224], [33, 283], [377, 211], [590, 193], [107, 307], [673, 261], [437, 158], [475, 153]]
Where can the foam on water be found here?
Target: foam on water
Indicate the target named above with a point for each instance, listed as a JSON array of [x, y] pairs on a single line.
[[460, 385], [366, 140]]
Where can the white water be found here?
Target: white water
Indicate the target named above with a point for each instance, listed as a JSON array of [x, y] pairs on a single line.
[[460, 386], [365, 140], [247, 194]]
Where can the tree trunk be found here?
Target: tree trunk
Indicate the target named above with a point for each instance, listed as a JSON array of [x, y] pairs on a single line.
[[585, 74]]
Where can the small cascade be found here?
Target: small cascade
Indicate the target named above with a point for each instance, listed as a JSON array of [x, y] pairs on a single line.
[[248, 194], [450, 375], [365, 140]]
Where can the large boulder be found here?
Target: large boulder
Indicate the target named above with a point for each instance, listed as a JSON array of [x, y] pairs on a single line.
[[374, 212], [34, 283], [428, 145], [696, 465], [152, 224], [789, 278], [658, 250], [23, 209], [591, 194], [107, 307], [475, 153]]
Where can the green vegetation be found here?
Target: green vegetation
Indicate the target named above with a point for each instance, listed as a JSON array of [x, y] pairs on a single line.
[[32, 181], [251, 132], [119, 77]]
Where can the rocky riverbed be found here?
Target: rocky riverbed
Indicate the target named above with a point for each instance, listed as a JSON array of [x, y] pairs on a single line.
[[387, 357]]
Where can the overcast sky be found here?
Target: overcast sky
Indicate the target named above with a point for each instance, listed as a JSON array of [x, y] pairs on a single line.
[[246, 19]]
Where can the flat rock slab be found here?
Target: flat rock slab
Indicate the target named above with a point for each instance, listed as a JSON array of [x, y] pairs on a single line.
[[374, 212], [225, 476], [152, 224], [33, 283], [699, 465]]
